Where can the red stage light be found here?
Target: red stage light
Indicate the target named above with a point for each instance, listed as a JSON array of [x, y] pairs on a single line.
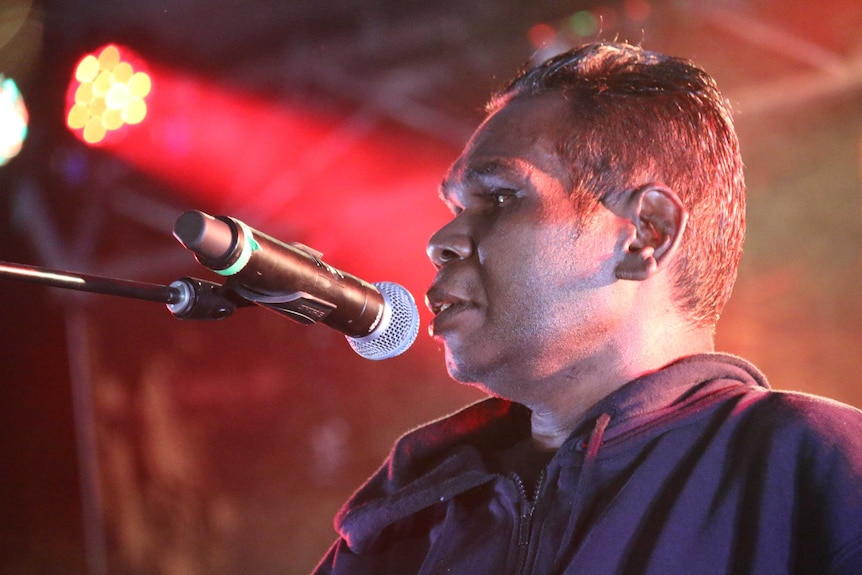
[[351, 184], [541, 35], [106, 93]]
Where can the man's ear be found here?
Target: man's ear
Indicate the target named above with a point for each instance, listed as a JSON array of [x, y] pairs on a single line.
[[659, 220]]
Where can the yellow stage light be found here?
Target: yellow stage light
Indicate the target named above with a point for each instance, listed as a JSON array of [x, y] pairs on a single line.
[[107, 93]]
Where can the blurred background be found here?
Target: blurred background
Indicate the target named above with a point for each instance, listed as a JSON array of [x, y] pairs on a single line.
[[136, 443]]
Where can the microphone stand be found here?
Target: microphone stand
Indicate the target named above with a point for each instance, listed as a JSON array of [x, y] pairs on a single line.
[[185, 298]]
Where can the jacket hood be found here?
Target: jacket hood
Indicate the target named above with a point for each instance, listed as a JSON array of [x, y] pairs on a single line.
[[447, 457]]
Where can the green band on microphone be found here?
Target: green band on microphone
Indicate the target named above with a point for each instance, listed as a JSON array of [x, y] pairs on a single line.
[[248, 246]]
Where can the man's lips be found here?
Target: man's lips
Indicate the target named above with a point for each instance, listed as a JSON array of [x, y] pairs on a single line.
[[445, 306], [441, 306], [439, 299]]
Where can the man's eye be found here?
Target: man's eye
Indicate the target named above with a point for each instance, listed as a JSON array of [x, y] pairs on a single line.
[[500, 197]]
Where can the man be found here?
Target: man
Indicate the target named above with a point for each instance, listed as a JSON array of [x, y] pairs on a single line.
[[598, 217]]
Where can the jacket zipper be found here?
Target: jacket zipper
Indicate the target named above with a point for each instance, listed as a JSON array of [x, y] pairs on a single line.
[[525, 520]]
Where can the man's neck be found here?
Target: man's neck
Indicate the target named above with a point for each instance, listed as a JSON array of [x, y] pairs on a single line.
[[578, 391]]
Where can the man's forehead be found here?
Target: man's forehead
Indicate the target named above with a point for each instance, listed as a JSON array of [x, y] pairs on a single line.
[[515, 141]]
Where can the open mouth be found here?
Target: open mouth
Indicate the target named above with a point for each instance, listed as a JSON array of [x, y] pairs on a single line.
[[446, 313], [439, 308], [439, 304]]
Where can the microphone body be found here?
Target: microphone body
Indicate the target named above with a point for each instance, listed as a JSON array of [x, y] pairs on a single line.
[[379, 320]]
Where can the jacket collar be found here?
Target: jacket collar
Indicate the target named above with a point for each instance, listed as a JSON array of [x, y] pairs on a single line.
[[451, 455]]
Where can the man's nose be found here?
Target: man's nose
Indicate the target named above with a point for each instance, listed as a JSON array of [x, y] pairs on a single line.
[[451, 242]]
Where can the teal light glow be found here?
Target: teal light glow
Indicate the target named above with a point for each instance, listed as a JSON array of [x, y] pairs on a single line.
[[13, 120]]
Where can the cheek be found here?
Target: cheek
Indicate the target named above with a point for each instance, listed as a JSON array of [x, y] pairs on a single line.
[[524, 272], [566, 285]]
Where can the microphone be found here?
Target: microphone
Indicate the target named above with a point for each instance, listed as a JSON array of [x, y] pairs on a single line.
[[380, 320]]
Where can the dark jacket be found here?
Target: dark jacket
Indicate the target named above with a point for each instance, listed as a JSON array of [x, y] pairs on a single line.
[[696, 469]]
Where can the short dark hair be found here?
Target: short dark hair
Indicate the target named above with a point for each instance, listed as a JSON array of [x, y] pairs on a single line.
[[642, 117]]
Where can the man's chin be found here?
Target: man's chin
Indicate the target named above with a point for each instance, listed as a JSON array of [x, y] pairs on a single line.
[[459, 370], [469, 373]]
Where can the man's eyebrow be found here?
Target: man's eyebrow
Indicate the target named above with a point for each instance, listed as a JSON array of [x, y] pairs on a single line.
[[479, 171], [492, 167]]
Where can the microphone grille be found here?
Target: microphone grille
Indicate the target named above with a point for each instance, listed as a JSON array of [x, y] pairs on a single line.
[[398, 327]]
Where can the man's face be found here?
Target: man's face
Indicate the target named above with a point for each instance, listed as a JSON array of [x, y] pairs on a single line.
[[524, 288]]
